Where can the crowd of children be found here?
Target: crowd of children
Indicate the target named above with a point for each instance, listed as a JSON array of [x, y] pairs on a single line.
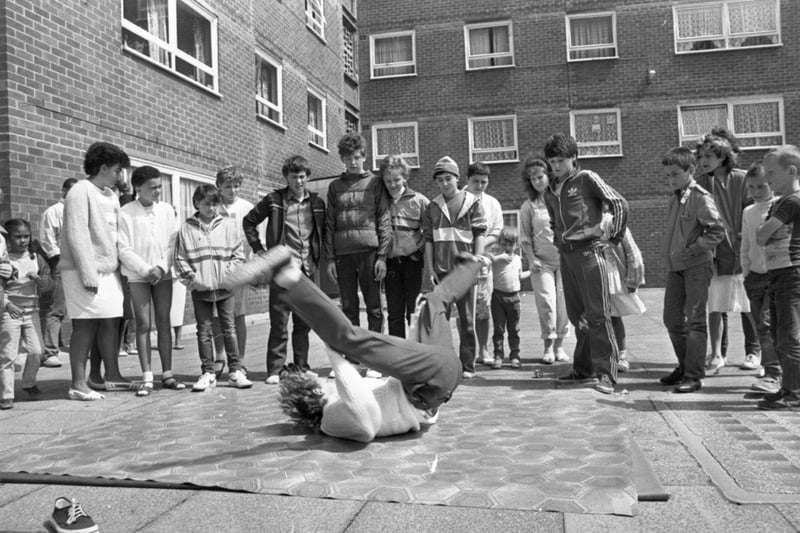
[[721, 254]]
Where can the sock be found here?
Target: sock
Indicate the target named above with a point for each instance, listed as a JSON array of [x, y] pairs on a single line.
[[166, 374], [147, 376]]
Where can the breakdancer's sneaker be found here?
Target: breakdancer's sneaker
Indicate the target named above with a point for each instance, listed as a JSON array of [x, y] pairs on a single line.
[[260, 269], [69, 517]]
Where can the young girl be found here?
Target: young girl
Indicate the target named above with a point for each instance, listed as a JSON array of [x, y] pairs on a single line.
[[536, 240], [20, 323], [506, 276], [147, 229], [716, 158], [405, 261]]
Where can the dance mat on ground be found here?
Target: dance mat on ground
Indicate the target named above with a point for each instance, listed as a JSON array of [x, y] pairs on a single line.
[[530, 449]]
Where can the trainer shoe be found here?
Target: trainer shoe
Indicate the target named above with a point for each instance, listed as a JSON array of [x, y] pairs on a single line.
[[715, 364], [273, 379], [751, 362], [623, 365], [260, 269], [604, 384], [373, 373], [6, 403], [34, 393], [775, 396], [52, 361], [466, 374], [516, 363], [787, 401], [69, 517], [238, 379], [767, 384], [549, 356], [576, 378], [561, 355], [497, 364], [206, 381], [673, 379]]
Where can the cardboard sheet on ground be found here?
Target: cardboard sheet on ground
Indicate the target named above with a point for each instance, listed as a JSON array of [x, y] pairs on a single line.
[[543, 449]]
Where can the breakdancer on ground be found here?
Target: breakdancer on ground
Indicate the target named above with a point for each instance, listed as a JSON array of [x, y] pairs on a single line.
[[423, 370]]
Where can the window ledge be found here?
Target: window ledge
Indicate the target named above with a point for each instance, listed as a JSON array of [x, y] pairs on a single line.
[[316, 34], [598, 156], [318, 147], [174, 74], [584, 60], [474, 69], [271, 122], [414, 75]]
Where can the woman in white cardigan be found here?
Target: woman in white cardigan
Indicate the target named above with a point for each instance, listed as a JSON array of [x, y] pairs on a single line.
[[88, 265], [147, 229]]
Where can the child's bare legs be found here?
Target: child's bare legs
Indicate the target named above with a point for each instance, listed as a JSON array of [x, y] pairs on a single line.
[[178, 336], [716, 361], [100, 336], [482, 332]]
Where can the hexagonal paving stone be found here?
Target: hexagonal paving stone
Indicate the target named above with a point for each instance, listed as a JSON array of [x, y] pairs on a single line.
[[470, 498], [519, 496], [433, 492]]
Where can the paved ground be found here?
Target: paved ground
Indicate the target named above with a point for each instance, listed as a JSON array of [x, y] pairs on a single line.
[[727, 466]]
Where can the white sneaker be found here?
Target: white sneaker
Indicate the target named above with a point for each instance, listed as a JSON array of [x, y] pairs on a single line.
[[273, 380], [561, 355], [751, 362], [715, 364], [373, 373], [332, 374], [623, 365], [238, 379], [549, 356], [206, 381], [52, 362]]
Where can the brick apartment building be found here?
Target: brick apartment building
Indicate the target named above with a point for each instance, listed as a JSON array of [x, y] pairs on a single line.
[[188, 86], [629, 79]]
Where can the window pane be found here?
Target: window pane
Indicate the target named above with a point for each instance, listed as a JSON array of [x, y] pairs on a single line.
[[397, 49], [396, 140], [599, 127], [751, 17], [194, 34], [699, 120], [493, 134], [151, 16], [699, 21], [349, 51], [756, 118], [592, 33], [494, 42]]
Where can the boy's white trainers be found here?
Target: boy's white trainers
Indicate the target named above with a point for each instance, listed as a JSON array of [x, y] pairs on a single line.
[[273, 379], [238, 379], [206, 381]]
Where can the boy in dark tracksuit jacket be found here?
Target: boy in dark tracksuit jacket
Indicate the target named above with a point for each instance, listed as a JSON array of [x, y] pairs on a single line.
[[358, 233], [296, 219], [576, 200]]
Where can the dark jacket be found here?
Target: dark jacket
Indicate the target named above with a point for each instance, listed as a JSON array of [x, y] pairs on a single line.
[[694, 229], [273, 206], [730, 197], [576, 212], [357, 217]]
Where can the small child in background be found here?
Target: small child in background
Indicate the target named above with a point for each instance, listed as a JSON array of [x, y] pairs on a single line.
[[756, 279], [208, 246], [506, 276], [20, 323]]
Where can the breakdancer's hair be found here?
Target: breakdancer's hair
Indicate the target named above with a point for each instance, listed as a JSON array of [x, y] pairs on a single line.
[[301, 398]]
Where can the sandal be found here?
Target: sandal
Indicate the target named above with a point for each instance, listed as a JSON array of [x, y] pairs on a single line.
[[120, 385], [75, 394], [144, 388], [173, 383]]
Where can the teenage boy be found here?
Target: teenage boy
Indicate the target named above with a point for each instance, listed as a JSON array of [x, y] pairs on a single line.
[[694, 228], [233, 207], [296, 219], [756, 279], [358, 233], [454, 222], [207, 247], [51, 302], [576, 200], [477, 181], [781, 236]]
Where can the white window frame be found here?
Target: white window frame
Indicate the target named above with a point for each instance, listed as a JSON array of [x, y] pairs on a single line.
[[171, 47], [584, 144], [474, 154], [498, 24], [176, 176], [315, 17], [726, 33], [311, 129], [378, 157], [615, 43], [684, 138], [277, 107], [373, 65], [356, 115]]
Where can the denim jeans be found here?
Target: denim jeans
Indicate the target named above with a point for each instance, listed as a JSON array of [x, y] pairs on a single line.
[[278, 340], [586, 296], [354, 271], [403, 283], [757, 287], [685, 317], [203, 314], [506, 308], [13, 330], [426, 366], [784, 288]]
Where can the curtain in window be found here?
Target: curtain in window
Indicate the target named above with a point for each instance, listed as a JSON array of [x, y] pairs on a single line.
[[396, 140], [157, 25], [187, 190], [596, 127], [390, 50], [166, 188], [592, 32], [756, 118], [483, 41], [750, 17], [492, 134], [700, 21], [698, 120]]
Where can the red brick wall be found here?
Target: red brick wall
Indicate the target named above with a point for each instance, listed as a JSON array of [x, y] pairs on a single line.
[[542, 89], [70, 83]]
